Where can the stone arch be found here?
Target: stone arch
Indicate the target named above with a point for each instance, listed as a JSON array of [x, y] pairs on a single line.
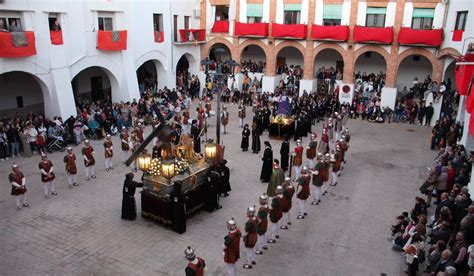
[[293, 44], [152, 55], [193, 65], [206, 50], [332, 46], [448, 52], [372, 48], [437, 69], [254, 42]]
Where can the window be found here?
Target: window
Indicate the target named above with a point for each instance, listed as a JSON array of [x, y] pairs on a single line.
[[222, 13], [422, 19], [375, 17], [254, 13], [106, 23], [461, 20], [292, 13], [54, 22], [186, 22], [158, 22], [175, 28], [332, 15], [10, 23]]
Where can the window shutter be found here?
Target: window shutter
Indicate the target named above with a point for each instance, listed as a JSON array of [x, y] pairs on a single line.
[[373, 10], [332, 12], [292, 7], [423, 13], [254, 10]]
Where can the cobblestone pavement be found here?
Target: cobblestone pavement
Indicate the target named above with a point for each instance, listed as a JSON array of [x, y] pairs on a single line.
[[80, 231]]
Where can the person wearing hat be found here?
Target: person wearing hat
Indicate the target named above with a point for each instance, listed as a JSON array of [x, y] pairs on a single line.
[[232, 247], [276, 179], [276, 213], [89, 161], [288, 192], [241, 114], [244, 144], [138, 131], [298, 159], [195, 265], [302, 192], [255, 137], [285, 152], [17, 180], [125, 143], [336, 160], [224, 119], [330, 129], [348, 135], [212, 187], [325, 172], [129, 208], [311, 150], [262, 224], [71, 168], [47, 175], [224, 173], [250, 237], [108, 152], [317, 177], [135, 143], [178, 203], [324, 143], [338, 125], [267, 159], [196, 134]]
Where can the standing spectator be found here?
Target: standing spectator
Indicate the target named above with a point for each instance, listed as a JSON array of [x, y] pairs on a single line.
[[31, 135], [13, 137], [429, 113]]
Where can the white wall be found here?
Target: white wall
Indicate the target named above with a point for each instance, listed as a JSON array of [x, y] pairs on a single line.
[[453, 8], [439, 15], [375, 64], [409, 69], [407, 15], [390, 15], [292, 55], [327, 58], [449, 66], [304, 12], [319, 12], [346, 12], [361, 13], [266, 11], [279, 12]]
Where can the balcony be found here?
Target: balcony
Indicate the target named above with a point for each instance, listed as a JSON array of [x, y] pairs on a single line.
[[17, 44], [331, 33], [373, 35], [220, 27], [409, 36], [112, 40], [251, 29], [297, 31], [191, 36]]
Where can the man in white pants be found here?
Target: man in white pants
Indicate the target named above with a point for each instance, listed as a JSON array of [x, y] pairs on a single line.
[[336, 160], [302, 192], [71, 167], [17, 179], [250, 237], [325, 170], [125, 144], [89, 161], [317, 179], [47, 175], [108, 152], [262, 224], [288, 192], [231, 247], [276, 213]]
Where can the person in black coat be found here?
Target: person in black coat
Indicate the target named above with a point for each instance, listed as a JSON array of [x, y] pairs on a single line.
[[211, 199], [178, 203], [255, 138], [245, 138], [225, 178], [195, 133], [429, 113], [129, 208], [285, 153], [267, 159]]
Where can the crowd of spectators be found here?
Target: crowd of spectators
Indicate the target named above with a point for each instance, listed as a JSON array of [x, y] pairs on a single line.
[[252, 66], [440, 238]]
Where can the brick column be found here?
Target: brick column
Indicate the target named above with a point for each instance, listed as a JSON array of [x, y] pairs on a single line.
[[392, 64], [349, 65], [308, 61], [271, 61], [438, 68]]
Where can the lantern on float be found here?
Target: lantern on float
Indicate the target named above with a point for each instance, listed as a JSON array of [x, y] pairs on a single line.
[[210, 150], [144, 161], [167, 168]]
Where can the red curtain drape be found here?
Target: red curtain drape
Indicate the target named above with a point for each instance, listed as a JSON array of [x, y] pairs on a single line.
[[106, 41], [424, 37], [220, 27], [159, 36], [289, 30], [197, 35], [457, 35], [251, 29], [56, 37], [339, 33], [463, 74], [371, 34], [8, 50]]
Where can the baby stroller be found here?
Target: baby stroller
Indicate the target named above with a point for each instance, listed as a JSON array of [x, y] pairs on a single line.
[[56, 142], [93, 132]]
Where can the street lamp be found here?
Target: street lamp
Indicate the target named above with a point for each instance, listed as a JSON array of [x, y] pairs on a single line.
[[220, 79]]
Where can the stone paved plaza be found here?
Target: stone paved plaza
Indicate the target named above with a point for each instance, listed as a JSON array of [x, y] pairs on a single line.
[[79, 232]]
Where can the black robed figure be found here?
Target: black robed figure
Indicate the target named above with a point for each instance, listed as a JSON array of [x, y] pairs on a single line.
[[178, 201], [285, 153], [129, 208], [267, 163]]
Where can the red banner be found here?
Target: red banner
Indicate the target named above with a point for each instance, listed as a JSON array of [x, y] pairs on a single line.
[[339, 33], [290, 30], [159, 36], [463, 74], [112, 40], [8, 50], [251, 29], [220, 27], [371, 34], [56, 37], [457, 35], [192, 35], [471, 125], [199, 34], [420, 37]]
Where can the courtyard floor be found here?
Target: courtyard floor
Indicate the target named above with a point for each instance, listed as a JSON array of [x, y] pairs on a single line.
[[80, 231]]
